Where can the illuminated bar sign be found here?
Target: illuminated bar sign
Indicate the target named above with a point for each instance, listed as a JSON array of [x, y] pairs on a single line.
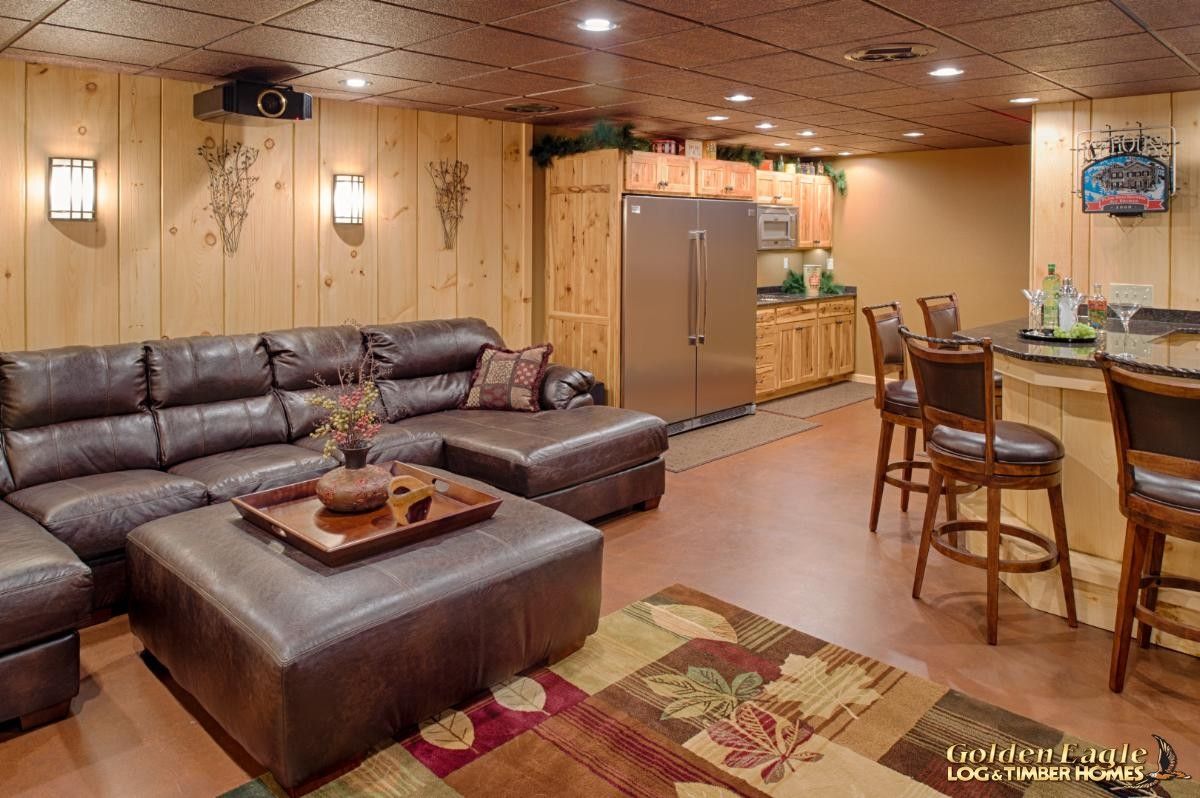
[[1127, 172]]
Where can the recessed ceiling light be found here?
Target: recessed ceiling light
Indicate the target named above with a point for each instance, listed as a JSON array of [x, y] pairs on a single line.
[[739, 98], [845, 152], [946, 72], [355, 83], [816, 149], [764, 126], [914, 134], [597, 25], [806, 133], [783, 144], [1023, 100], [716, 118]]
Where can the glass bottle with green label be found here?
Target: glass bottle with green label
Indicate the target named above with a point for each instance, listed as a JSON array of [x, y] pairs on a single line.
[[1050, 286], [1097, 308]]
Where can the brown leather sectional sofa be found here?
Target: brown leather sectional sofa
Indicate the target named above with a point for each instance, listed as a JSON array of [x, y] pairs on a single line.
[[96, 441]]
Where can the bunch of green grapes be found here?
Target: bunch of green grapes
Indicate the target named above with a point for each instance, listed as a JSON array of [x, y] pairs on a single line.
[[1078, 332]]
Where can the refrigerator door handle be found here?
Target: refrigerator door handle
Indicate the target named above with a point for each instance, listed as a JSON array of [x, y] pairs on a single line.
[[694, 253], [702, 327]]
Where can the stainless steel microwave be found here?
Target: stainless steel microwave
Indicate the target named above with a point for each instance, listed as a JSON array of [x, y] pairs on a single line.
[[777, 226]]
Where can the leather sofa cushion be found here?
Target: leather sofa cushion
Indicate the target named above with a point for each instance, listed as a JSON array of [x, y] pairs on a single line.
[[193, 431], [209, 368], [419, 447], [534, 453], [421, 395], [80, 448], [301, 357], [92, 514], [1015, 443], [1166, 489], [236, 473], [564, 387], [44, 587], [900, 397], [6, 480], [52, 386]]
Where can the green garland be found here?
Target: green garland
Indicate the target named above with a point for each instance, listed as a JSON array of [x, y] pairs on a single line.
[[838, 176], [740, 152], [602, 136]]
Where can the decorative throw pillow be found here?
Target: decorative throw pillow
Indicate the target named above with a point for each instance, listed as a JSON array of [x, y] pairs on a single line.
[[508, 380]]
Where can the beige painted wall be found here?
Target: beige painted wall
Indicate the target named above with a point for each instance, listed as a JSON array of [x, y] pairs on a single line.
[[914, 224], [1159, 249], [771, 269]]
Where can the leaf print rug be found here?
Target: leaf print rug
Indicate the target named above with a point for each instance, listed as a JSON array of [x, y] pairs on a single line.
[[682, 695]]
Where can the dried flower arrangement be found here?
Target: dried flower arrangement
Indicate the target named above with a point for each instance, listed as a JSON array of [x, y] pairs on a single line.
[[231, 187], [450, 183], [352, 418]]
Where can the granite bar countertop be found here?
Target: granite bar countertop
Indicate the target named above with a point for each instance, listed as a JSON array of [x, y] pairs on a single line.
[[1157, 336], [770, 296]]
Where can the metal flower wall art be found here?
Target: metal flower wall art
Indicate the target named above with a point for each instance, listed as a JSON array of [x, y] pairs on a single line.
[[231, 187], [450, 183]]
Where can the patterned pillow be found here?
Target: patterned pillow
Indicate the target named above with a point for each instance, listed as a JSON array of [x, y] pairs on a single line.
[[508, 380]]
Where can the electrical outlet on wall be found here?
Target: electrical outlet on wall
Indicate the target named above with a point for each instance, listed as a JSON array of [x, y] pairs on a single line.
[[785, 264], [1144, 293]]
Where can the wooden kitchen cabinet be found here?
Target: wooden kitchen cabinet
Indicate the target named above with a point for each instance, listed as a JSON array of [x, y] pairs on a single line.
[[654, 173], [814, 197], [835, 346], [725, 179], [775, 188], [802, 346]]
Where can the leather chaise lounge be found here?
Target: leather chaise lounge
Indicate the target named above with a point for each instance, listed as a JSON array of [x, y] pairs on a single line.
[[98, 441]]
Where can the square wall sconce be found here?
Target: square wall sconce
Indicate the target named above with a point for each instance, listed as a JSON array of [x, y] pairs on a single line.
[[71, 190], [349, 197]]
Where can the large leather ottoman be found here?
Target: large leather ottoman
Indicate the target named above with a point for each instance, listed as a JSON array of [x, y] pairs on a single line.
[[308, 666]]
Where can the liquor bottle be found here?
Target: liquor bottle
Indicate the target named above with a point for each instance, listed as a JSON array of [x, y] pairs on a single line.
[[1097, 308], [1050, 286]]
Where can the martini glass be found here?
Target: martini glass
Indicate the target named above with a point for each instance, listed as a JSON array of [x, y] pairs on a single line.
[[1125, 304], [1037, 299]]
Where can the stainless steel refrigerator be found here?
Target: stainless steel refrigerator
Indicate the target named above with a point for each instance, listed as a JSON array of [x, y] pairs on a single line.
[[688, 299]]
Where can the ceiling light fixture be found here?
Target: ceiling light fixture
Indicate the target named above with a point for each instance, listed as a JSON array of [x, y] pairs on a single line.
[[816, 149], [845, 152], [739, 98], [783, 144], [716, 118], [355, 83], [597, 25], [914, 134], [1023, 100], [764, 126], [946, 72], [806, 133]]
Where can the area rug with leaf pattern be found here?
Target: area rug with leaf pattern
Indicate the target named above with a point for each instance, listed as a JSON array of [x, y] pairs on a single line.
[[682, 695]]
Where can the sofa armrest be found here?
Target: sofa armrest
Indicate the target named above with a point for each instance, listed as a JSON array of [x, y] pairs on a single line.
[[564, 388]]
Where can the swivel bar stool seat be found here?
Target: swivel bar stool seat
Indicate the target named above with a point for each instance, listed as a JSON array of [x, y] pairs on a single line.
[[1154, 411], [896, 401], [966, 443], [942, 320]]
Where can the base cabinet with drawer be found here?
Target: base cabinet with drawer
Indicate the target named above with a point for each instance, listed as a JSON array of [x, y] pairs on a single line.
[[803, 345]]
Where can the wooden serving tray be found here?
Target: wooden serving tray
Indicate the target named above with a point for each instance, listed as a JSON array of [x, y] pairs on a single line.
[[294, 514]]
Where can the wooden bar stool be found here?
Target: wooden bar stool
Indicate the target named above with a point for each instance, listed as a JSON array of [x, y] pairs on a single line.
[[966, 443], [942, 320], [896, 401], [1154, 411]]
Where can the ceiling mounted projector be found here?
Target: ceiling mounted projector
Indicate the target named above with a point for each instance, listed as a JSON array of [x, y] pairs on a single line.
[[255, 100]]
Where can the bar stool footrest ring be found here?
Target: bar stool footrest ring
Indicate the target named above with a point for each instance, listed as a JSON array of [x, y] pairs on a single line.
[[1029, 566]]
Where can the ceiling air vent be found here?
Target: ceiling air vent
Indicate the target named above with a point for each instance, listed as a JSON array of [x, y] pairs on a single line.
[[530, 108], [889, 53]]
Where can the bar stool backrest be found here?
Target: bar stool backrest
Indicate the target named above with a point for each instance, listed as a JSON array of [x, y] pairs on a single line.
[[954, 385], [1156, 420], [941, 315], [887, 346]]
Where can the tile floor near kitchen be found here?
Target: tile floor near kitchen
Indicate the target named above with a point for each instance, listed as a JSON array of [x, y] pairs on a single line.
[[779, 530]]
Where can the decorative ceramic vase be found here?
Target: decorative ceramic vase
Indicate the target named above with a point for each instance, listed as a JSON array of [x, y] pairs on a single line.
[[354, 487]]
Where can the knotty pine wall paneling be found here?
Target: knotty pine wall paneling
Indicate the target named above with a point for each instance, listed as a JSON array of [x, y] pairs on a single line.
[[153, 263]]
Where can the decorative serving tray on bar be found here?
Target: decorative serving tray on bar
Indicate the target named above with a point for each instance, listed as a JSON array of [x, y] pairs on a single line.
[[294, 514], [1046, 335]]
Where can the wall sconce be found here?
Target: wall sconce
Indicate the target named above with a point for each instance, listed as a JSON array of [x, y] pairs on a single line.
[[71, 189], [349, 196]]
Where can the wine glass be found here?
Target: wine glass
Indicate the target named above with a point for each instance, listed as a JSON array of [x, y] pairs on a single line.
[[1037, 299], [1125, 304]]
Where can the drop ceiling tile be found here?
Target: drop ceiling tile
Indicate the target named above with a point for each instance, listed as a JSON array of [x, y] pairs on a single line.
[[840, 119], [596, 67], [699, 115], [127, 18], [1186, 39], [514, 82], [1000, 102], [999, 131], [101, 46], [331, 80], [701, 88], [417, 66], [1143, 87], [919, 110], [780, 70], [663, 107], [289, 45], [878, 99], [25, 9], [1097, 20], [713, 11], [447, 95], [694, 47], [491, 113], [974, 67], [798, 108], [11, 27], [223, 65], [478, 10], [879, 128], [395, 102], [367, 21], [498, 106], [956, 141], [72, 61], [1013, 84], [1129, 72], [179, 74], [561, 22], [953, 12], [582, 116], [1094, 52], [593, 96], [1166, 13], [257, 11], [329, 94], [980, 117], [848, 81], [900, 146], [496, 47], [944, 47], [784, 129], [822, 23]]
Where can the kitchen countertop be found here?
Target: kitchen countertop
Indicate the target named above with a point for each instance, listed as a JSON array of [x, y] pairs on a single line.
[[771, 297], [1149, 340]]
